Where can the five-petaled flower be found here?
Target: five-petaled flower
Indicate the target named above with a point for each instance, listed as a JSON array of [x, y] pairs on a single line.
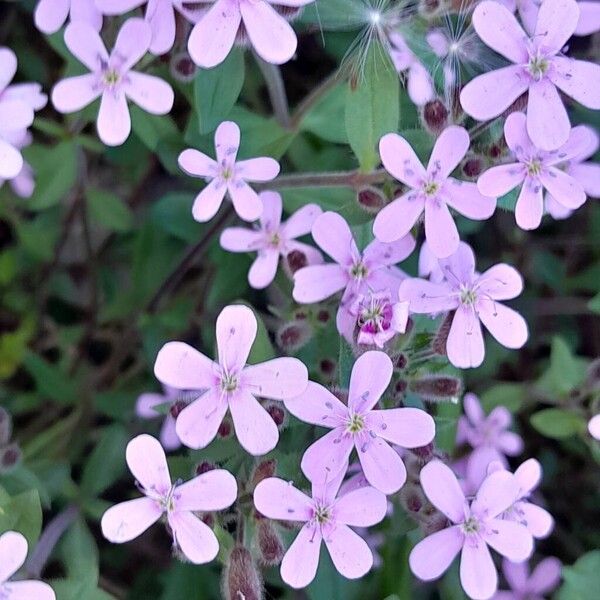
[[230, 383], [475, 297], [539, 68], [227, 174], [432, 191], [273, 238], [111, 78], [359, 425], [530, 586], [327, 517], [212, 491], [474, 526]]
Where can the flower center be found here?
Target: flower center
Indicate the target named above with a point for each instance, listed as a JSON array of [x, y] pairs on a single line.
[[538, 67], [467, 295], [431, 188], [355, 424], [534, 167], [275, 240], [229, 382], [111, 78], [376, 317], [227, 173], [470, 526], [358, 271], [322, 514]]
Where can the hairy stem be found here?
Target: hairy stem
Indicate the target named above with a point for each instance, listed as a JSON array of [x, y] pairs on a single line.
[[352, 179], [276, 89]]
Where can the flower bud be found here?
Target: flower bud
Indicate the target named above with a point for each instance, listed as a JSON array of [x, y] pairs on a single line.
[[412, 498], [182, 67], [241, 579], [438, 345], [263, 470], [287, 12], [225, 428], [204, 467], [10, 457], [177, 407], [437, 388], [473, 166], [296, 260], [278, 413], [292, 336], [269, 543], [371, 199], [435, 116], [424, 453], [327, 367]]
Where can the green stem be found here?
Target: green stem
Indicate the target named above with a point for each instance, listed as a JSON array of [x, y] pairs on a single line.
[[276, 88], [351, 179]]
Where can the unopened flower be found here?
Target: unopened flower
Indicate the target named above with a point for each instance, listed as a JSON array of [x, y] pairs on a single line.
[[273, 238], [437, 388], [536, 170], [13, 551], [474, 297], [327, 518], [432, 191], [230, 384], [474, 527], [358, 425], [270, 34], [211, 491], [241, 578], [435, 116], [50, 15], [539, 68], [353, 271], [543, 580], [227, 175], [112, 79]]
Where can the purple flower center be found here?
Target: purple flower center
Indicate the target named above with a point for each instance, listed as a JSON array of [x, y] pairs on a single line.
[[376, 316], [358, 270]]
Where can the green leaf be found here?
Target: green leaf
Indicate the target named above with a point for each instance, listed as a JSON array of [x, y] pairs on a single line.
[[109, 210], [326, 118], [582, 580], [345, 363], [50, 380], [79, 552], [173, 214], [373, 106], [594, 303], [509, 395], [333, 15], [558, 423], [567, 371], [22, 513], [217, 90], [79, 589]]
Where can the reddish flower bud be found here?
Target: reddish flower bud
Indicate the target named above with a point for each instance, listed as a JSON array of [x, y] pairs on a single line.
[[10, 456], [277, 412], [327, 367], [269, 543], [437, 388], [182, 67], [263, 470], [296, 260], [441, 337], [435, 116], [241, 579], [323, 316], [177, 407], [225, 428], [473, 166], [371, 199], [204, 467], [292, 336]]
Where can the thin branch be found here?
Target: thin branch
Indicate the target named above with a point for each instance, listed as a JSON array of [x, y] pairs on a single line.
[[276, 88], [351, 179]]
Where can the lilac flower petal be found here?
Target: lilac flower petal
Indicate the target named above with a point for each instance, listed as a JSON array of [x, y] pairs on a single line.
[[497, 493], [208, 201], [509, 539], [11, 161], [400, 160], [300, 563], [241, 239], [582, 143], [235, 332], [505, 324], [270, 219], [450, 148], [168, 435], [195, 539], [279, 499], [515, 133], [529, 475], [479, 464], [465, 341], [74, 93], [8, 67], [263, 269], [381, 464], [389, 254], [460, 265], [151, 93], [350, 554], [213, 490], [548, 123], [510, 443], [480, 98], [556, 22], [516, 575], [144, 407], [478, 574], [419, 86], [440, 229], [589, 18], [473, 409], [301, 222], [328, 456], [362, 507], [26, 590], [161, 16], [133, 41], [227, 142], [464, 197], [395, 220], [147, 462], [426, 297], [258, 169], [127, 520], [546, 576], [443, 490], [317, 405], [563, 187], [13, 552], [594, 427], [245, 200], [255, 429], [15, 115], [50, 15], [530, 205], [213, 36], [317, 282], [332, 234], [118, 7], [500, 417], [405, 427], [500, 30], [271, 35], [434, 554], [181, 366], [501, 282], [86, 11], [86, 45], [114, 123], [278, 379], [538, 520], [370, 377], [197, 164], [198, 423], [500, 180]]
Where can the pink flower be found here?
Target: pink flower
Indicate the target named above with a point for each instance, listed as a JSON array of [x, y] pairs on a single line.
[[212, 491], [269, 33], [536, 519], [539, 68], [473, 528], [327, 518], [353, 271], [230, 383], [488, 435], [273, 238], [536, 170], [227, 174], [23, 184], [112, 79], [432, 191], [594, 427], [475, 297], [419, 85], [29, 93], [359, 426], [13, 551], [50, 15], [525, 586], [429, 265], [160, 15], [378, 318]]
